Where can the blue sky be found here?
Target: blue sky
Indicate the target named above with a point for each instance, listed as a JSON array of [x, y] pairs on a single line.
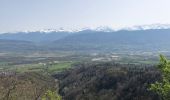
[[20, 15]]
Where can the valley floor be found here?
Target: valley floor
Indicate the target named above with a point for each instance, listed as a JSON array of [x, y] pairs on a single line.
[[78, 77]]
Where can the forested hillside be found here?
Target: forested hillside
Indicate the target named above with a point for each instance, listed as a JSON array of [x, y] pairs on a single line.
[[108, 81]]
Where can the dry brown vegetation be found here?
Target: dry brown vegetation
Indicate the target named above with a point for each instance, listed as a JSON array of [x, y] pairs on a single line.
[[25, 86]]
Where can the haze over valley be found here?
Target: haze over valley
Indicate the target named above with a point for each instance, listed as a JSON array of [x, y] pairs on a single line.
[[84, 50]]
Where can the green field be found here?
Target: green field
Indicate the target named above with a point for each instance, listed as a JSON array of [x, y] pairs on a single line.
[[40, 67]]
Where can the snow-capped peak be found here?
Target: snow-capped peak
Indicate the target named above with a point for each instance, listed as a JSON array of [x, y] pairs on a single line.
[[56, 30], [101, 29], [104, 28], [147, 27]]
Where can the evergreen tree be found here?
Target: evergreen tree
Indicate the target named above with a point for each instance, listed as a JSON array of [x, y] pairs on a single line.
[[162, 88]]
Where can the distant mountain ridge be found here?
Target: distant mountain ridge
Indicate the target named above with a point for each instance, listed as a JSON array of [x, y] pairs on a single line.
[[50, 35], [100, 28], [102, 39], [154, 39], [17, 46], [36, 37]]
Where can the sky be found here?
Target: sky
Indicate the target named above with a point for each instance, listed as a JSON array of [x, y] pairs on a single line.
[[21, 15]]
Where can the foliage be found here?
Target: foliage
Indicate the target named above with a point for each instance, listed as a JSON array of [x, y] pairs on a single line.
[[163, 88], [108, 81], [51, 95]]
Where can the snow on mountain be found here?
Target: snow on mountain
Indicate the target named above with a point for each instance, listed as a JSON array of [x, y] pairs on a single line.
[[104, 28], [100, 29], [147, 27]]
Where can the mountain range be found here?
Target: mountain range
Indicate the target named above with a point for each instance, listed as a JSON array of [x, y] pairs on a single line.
[[105, 39]]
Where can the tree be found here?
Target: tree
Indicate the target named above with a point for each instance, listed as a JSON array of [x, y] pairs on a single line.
[[162, 88], [50, 95]]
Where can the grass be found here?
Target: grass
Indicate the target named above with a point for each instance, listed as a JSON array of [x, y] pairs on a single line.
[[50, 68], [23, 67], [59, 67]]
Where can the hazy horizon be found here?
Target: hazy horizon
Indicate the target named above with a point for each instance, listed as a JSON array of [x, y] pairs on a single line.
[[21, 15]]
